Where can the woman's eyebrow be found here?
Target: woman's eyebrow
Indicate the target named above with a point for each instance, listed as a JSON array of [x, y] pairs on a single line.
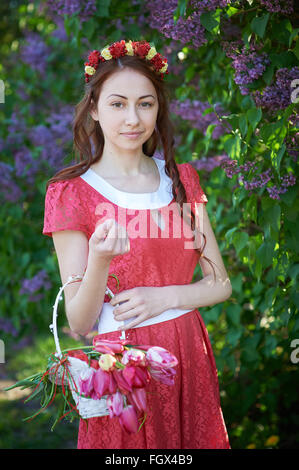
[[121, 96]]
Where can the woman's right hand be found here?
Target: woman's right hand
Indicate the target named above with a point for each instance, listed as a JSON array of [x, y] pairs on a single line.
[[109, 240]]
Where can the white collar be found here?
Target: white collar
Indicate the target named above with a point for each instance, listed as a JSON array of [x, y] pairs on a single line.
[[160, 198]]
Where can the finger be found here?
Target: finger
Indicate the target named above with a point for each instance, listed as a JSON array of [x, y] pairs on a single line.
[[121, 297], [126, 311], [102, 229], [132, 324]]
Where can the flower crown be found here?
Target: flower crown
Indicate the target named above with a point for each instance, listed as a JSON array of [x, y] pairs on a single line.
[[121, 48]]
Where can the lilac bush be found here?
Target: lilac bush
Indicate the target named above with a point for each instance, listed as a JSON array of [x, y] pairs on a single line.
[[85, 9], [192, 111], [249, 64], [34, 52], [277, 95], [37, 282], [279, 6]]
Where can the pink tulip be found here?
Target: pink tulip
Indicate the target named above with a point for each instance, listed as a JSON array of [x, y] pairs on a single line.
[[101, 382], [142, 377], [86, 381], [160, 358], [136, 376], [94, 395], [122, 384], [109, 346], [128, 420], [166, 376], [134, 357], [115, 404], [112, 387], [138, 399]]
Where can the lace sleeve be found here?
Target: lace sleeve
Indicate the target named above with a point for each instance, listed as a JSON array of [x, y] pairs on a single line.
[[64, 209], [192, 185]]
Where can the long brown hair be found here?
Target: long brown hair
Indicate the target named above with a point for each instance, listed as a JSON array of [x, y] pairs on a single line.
[[87, 130]]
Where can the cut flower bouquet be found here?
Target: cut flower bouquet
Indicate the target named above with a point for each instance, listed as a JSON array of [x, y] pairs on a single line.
[[109, 377]]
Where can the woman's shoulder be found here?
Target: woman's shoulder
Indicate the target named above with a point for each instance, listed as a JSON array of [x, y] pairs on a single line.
[[188, 173], [65, 185], [191, 181], [67, 191]]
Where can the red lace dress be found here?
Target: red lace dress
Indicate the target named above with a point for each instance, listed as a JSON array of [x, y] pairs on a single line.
[[187, 415]]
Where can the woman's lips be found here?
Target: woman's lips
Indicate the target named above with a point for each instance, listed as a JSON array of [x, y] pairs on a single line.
[[132, 135]]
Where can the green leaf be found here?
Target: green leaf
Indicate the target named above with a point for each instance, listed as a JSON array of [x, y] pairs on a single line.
[[243, 124], [254, 116], [210, 20], [273, 133], [268, 74], [258, 268], [265, 253], [233, 336], [293, 35], [259, 23], [233, 314], [229, 234], [272, 216], [103, 9], [277, 156], [232, 146], [270, 345], [180, 10], [283, 59], [240, 240]]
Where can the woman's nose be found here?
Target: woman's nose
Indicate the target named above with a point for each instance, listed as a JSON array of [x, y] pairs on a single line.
[[132, 115]]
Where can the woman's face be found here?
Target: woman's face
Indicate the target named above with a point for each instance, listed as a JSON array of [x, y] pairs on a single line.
[[135, 110]]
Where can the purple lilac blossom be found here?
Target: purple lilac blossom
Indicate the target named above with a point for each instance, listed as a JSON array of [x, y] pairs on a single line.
[[193, 112], [35, 52], [25, 165], [7, 327], [84, 8], [278, 95], [261, 180], [52, 138], [61, 123], [279, 6], [29, 286], [258, 181], [8, 187], [208, 164], [17, 128], [188, 30], [292, 146], [59, 32], [232, 168], [209, 4], [248, 63], [287, 180], [52, 153]]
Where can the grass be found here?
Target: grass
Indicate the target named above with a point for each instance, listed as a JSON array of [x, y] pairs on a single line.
[[36, 433]]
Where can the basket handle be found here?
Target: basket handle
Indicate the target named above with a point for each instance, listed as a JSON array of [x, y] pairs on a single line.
[[53, 326]]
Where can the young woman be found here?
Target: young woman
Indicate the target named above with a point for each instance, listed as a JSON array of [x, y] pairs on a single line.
[[124, 212]]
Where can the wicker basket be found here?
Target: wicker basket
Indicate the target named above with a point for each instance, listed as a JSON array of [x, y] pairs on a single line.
[[87, 407]]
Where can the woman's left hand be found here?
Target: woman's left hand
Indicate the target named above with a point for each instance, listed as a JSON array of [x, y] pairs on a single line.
[[140, 303]]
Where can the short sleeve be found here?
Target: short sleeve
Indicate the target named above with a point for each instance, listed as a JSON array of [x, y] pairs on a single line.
[[64, 209], [192, 185]]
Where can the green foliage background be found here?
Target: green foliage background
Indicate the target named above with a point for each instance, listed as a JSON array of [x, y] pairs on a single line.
[[251, 332]]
